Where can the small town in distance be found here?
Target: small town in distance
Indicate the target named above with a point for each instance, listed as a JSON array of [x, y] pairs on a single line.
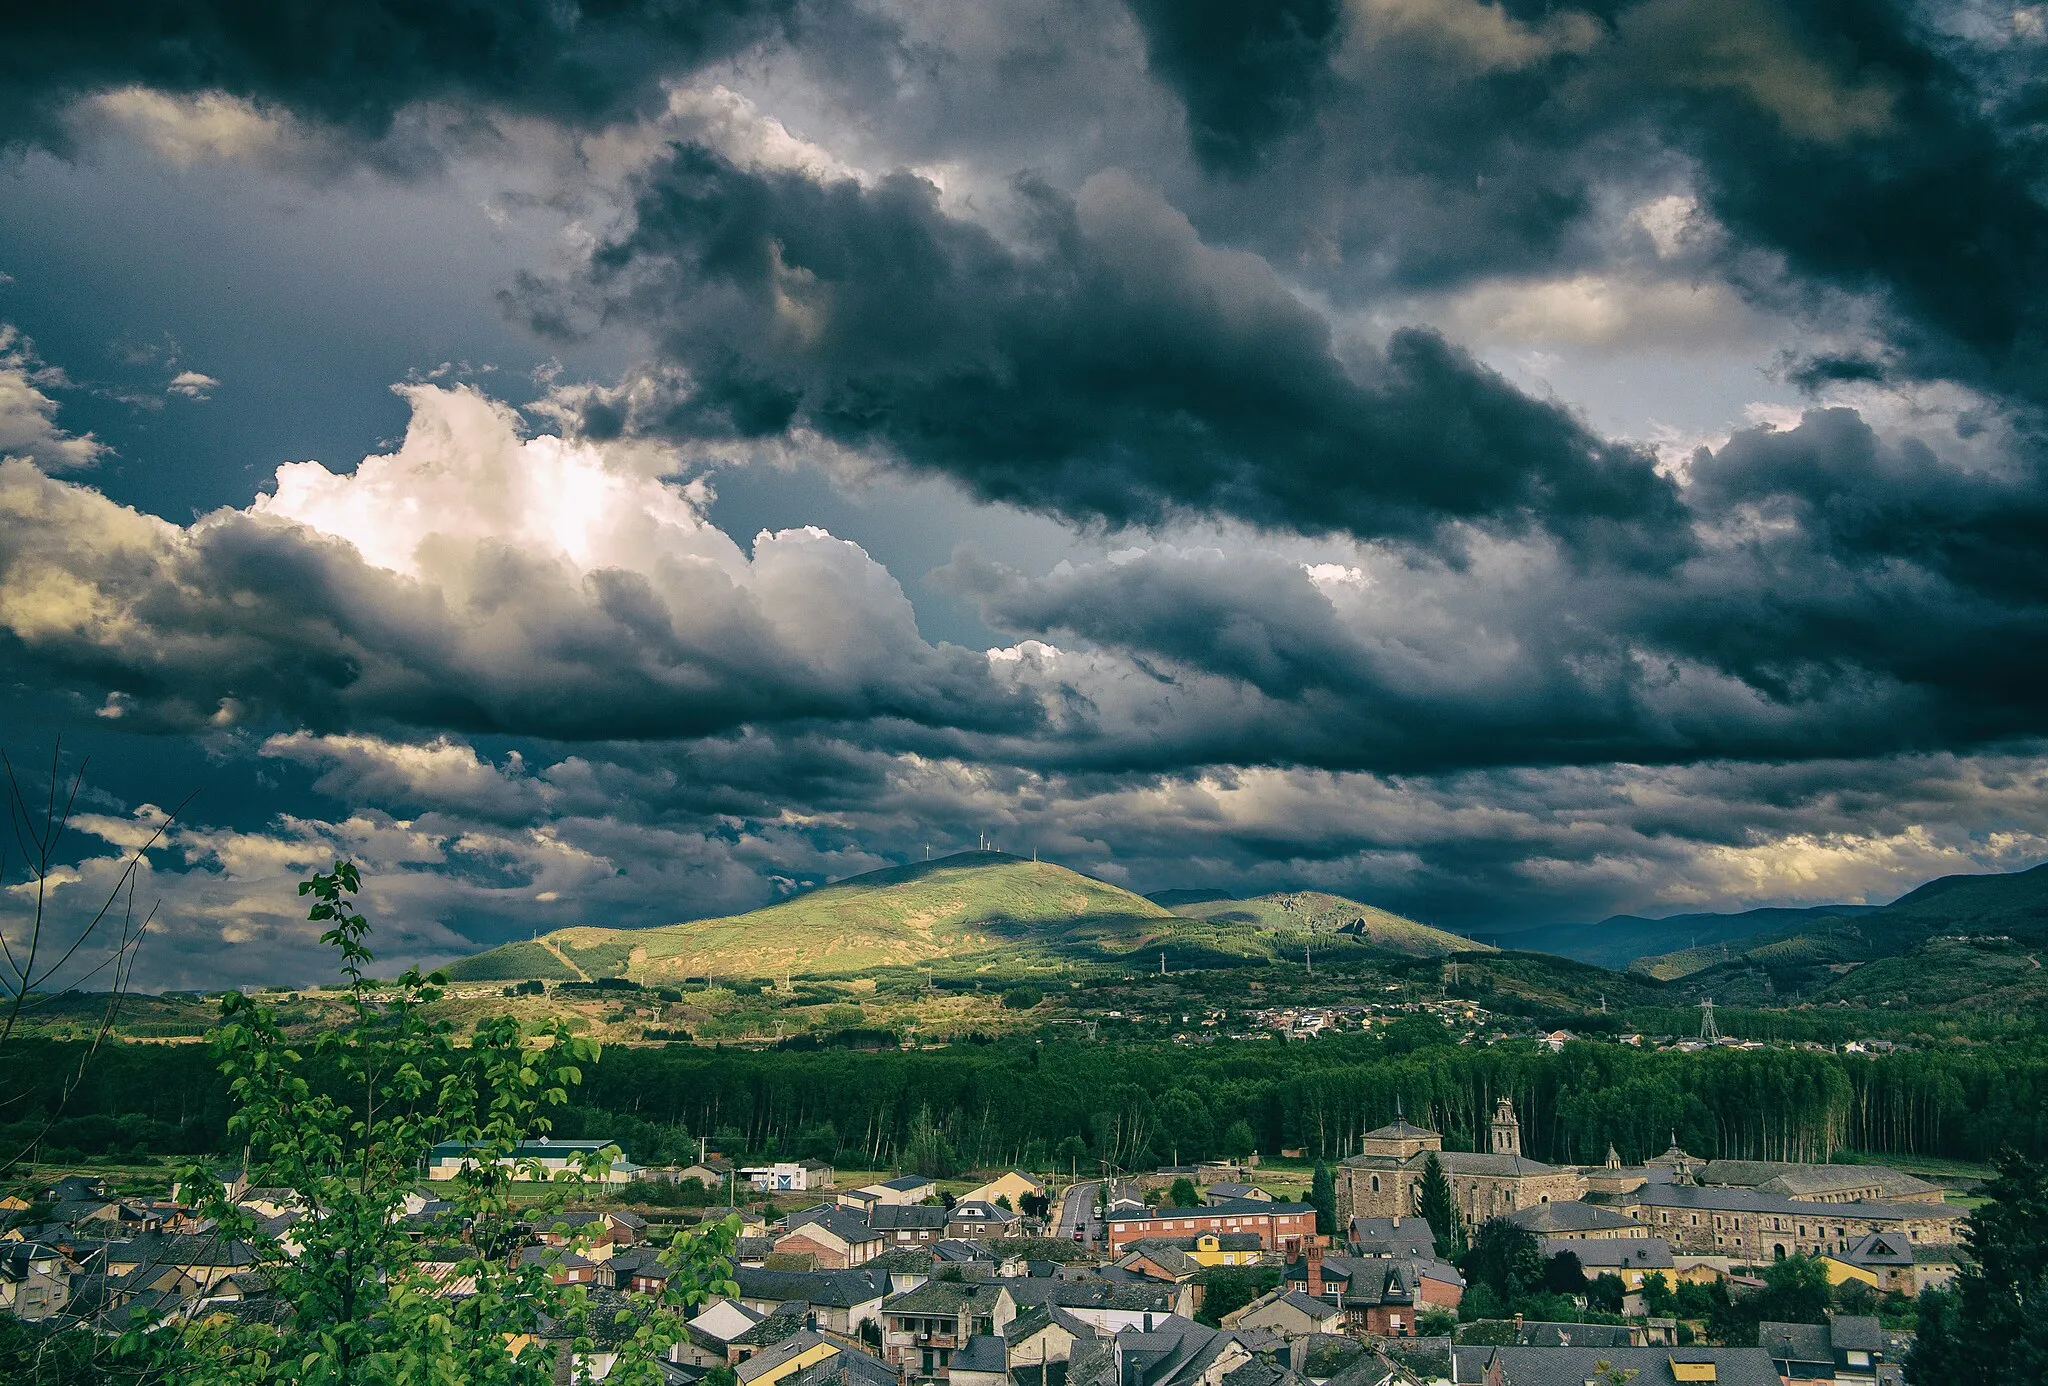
[[1078, 1136]]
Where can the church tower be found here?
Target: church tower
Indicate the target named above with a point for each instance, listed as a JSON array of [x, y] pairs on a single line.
[[1507, 1128]]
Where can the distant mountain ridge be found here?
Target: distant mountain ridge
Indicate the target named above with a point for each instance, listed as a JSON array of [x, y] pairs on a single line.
[[975, 905], [1621, 939]]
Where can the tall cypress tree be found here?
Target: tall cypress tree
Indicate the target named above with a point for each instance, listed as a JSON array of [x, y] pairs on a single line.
[[1323, 1193], [1440, 1209]]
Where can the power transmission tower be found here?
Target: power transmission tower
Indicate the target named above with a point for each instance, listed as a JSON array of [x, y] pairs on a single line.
[[1708, 1029]]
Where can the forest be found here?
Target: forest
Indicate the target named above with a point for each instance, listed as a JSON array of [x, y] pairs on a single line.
[[1052, 1103]]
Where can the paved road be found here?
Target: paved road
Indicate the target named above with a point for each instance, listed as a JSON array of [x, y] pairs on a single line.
[[1077, 1212]]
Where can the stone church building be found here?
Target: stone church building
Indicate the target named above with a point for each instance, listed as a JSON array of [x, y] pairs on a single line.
[[1385, 1178]]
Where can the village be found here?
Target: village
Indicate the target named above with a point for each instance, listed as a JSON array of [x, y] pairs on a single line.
[[1185, 1275]]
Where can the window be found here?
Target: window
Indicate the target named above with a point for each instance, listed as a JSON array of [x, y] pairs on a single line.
[[1375, 1183]]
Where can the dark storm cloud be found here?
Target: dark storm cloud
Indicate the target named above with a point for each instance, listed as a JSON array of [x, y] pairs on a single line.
[[1853, 594], [1247, 72], [1860, 144], [1112, 369], [353, 66]]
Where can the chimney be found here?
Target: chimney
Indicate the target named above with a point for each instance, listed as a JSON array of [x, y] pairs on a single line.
[[1397, 1219], [1518, 1328], [1315, 1271]]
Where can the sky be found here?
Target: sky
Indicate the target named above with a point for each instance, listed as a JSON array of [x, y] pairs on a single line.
[[621, 462]]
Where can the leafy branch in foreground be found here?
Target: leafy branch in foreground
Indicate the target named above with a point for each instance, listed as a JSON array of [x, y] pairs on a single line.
[[355, 1297]]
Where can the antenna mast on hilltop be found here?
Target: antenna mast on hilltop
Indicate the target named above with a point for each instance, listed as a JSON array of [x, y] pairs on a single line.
[[1708, 1029]]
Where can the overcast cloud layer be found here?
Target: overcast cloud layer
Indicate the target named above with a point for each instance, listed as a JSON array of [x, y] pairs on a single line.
[[1506, 461]]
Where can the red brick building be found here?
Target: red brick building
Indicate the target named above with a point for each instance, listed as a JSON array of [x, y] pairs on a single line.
[[1278, 1226]]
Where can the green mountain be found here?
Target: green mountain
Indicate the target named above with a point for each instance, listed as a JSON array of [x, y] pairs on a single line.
[[976, 904], [1623, 939], [1966, 941], [1297, 912]]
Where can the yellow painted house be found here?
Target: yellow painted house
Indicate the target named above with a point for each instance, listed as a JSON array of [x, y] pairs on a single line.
[[1841, 1272], [1012, 1186], [785, 1359]]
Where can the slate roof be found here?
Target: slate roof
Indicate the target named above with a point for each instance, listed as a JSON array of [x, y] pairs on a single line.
[[1796, 1342], [1794, 1179], [833, 1289], [840, 1222], [940, 1297], [1880, 1249], [1138, 1296], [1539, 1333], [1569, 1215], [1730, 1199], [1314, 1308], [1398, 1129], [1611, 1253], [1402, 1229], [984, 1352], [959, 1250], [1574, 1366], [1039, 1317], [904, 1260], [1483, 1162], [913, 1217], [904, 1183], [770, 1358], [847, 1367], [789, 1319]]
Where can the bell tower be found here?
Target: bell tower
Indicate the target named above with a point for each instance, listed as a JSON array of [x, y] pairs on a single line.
[[1507, 1128]]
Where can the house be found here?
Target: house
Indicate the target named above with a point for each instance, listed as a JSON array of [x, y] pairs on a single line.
[[840, 1300], [1231, 1193], [901, 1191], [546, 1157], [1013, 1186], [1385, 1238], [563, 1267], [1845, 1349], [835, 1236], [1537, 1333], [205, 1259], [975, 1219], [712, 1171], [1379, 1296], [789, 1176], [76, 1188], [916, 1224], [1882, 1261], [1289, 1313], [1934, 1266], [983, 1361], [1105, 1306], [1279, 1226], [1171, 1351], [707, 1339], [1571, 1219], [1044, 1334], [924, 1327], [35, 1281], [1630, 1261], [784, 1360], [1639, 1366], [1180, 1258]]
